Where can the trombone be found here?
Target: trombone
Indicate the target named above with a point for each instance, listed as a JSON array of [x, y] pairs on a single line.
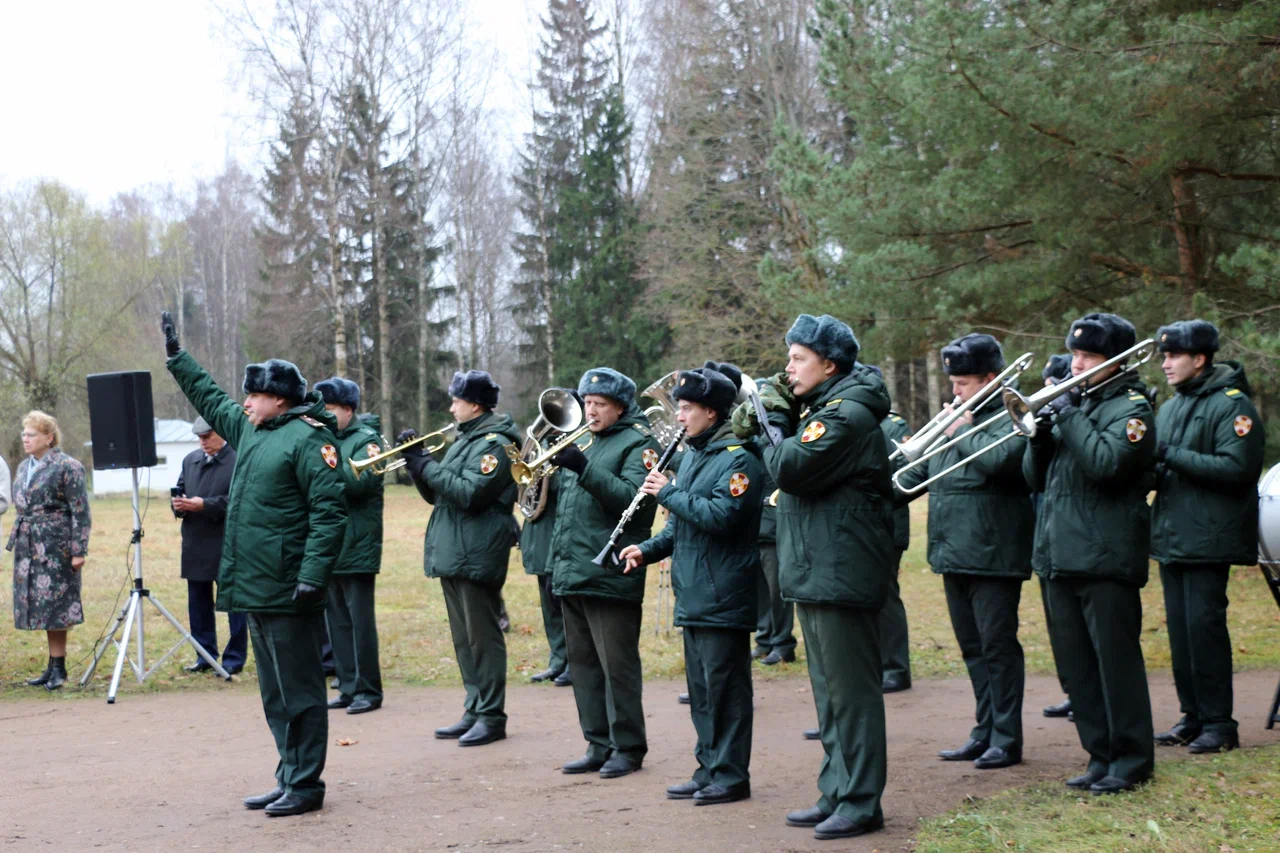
[[1023, 410], [379, 464], [924, 438]]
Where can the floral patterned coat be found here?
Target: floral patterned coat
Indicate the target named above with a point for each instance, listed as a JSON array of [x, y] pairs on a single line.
[[52, 527]]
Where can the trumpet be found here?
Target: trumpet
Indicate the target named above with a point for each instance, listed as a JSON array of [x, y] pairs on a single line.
[[527, 473], [935, 442], [1023, 410], [379, 464]]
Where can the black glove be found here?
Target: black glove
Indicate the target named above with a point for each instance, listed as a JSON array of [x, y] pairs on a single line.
[[415, 452], [1066, 402], [171, 345], [306, 593], [571, 459], [1162, 451]]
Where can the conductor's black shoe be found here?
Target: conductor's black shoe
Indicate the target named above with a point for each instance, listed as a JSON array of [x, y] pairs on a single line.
[[895, 684], [618, 765], [585, 764], [201, 665], [1214, 742], [263, 800], [363, 706], [813, 734], [971, 750], [776, 657], [57, 675], [1179, 735], [758, 652], [1111, 785], [337, 703], [714, 795], [807, 817], [480, 734], [1060, 710], [995, 758], [292, 804], [683, 698], [839, 826], [457, 730], [40, 679], [1085, 779], [683, 791], [564, 679], [547, 674]]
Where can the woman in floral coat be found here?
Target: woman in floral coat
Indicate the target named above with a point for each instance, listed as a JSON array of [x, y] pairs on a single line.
[[49, 541]]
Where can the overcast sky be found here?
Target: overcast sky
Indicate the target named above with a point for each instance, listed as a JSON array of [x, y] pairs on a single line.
[[109, 96]]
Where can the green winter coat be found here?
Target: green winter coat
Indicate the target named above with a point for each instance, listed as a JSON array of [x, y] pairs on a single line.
[[835, 524], [769, 506], [1206, 507], [981, 520], [471, 530], [362, 546], [286, 514], [535, 536], [712, 531], [896, 429], [591, 504], [1094, 471]]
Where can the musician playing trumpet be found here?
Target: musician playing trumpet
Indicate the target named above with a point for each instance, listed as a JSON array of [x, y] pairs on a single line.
[[981, 525], [599, 476], [711, 535], [468, 542]]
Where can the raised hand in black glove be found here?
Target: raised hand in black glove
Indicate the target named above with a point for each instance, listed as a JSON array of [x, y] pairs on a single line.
[[1065, 403], [571, 459], [306, 593], [171, 345], [415, 452]]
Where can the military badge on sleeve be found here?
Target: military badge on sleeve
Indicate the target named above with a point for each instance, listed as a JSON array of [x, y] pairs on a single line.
[[330, 454], [650, 457], [1242, 425], [813, 432], [738, 484], [488, 463], [1135, 429], [372, 449]]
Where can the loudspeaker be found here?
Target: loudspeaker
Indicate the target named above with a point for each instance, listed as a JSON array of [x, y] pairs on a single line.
[[122, 420]]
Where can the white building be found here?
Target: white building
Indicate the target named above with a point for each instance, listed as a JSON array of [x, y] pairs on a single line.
[[174, 440]]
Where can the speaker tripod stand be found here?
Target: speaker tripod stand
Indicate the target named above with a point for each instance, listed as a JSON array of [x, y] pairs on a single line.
[[130, 619]]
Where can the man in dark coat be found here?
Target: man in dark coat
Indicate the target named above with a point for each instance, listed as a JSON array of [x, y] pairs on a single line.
[[468, 543], [980, 532], [203, 487], [714, 517], [1091, 546], [1204, 520], [1056, 369], [286, 518]]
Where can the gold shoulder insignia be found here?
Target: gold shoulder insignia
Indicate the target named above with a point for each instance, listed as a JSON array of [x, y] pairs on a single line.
[[734, 448], [493, 436], [1233, 392], [307, 419], [837, 401], [805, 413], [1137, 397], [643, 430]]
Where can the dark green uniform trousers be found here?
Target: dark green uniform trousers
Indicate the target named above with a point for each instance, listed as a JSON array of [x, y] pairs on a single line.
[[842, 646], [552, 623], [717, 666], [602, 636], [984, 615], [1195, 601], [294, 700], [1099, 625], [480, 647], [353, 632], [777, 617], [895, 647], [1053, 637]]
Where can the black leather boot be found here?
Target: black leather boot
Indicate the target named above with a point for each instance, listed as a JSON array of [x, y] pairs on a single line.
[[57, 674], [43, 677]]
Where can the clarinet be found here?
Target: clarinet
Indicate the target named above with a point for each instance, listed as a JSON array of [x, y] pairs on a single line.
[[607, 554]]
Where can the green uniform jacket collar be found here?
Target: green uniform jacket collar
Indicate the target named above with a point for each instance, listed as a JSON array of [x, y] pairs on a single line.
[[861, 386]]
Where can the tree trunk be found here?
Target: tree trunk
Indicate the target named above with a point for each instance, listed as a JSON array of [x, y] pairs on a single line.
[[423, 409], [1187, 231], [890, 368], [934, 382]]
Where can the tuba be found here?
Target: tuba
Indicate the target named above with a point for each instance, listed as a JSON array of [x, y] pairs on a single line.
[[559, 412]]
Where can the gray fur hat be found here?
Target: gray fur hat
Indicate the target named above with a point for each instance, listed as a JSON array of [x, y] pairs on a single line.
[[1193, 336], [1104, 334], [340, 392], [974, 354], [607, 382], [706, 387], [475, 386], [828, 337], [275, 376]]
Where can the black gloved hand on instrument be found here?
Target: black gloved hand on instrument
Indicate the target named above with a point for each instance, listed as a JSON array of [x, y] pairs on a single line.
[[415, 452], [570, 459], [171, 345], [1067, 402]]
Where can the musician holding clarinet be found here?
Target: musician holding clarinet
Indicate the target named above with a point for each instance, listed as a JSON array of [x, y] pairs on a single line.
[[711, 535], [599, 478]]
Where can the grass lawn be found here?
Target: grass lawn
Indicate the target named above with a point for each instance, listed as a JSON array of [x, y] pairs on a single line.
[[414, 634]]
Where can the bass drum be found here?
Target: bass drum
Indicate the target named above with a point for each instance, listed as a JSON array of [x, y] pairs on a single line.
[[1269, 521]]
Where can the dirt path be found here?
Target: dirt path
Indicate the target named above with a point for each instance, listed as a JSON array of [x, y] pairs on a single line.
[[166, 773]]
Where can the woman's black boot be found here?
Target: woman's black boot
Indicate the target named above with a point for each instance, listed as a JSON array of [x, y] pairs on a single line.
[[43, 677], [57, 674]]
